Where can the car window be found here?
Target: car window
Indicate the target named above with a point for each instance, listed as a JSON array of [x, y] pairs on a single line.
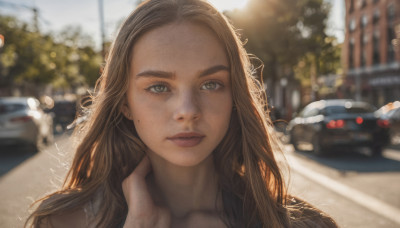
[[332, 110], [11, 107]]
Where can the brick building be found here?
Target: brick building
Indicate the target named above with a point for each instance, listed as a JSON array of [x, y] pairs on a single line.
[[371, 50]]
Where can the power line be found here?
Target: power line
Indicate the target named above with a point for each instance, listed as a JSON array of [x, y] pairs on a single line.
[[34, 9]]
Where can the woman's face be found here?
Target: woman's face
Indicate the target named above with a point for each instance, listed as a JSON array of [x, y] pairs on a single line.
[[179, 95]]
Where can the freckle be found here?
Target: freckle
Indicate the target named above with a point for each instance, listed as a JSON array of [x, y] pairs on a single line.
[[138, 121]]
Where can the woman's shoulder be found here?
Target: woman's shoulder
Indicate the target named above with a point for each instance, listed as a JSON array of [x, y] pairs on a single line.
[[303, 214], [67, 218]]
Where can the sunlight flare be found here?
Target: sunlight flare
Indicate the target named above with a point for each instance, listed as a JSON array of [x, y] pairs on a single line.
[[223, 5]]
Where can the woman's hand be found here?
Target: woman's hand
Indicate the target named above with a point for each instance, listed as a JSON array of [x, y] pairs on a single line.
[[141, 209]]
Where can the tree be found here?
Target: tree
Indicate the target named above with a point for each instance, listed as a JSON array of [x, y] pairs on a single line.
[[79, 62], [33, 60], [283, 32], [23, 58]]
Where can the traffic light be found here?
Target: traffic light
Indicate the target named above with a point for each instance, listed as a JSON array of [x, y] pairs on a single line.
[[1, 41]]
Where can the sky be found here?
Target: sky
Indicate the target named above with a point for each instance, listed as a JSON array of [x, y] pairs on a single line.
[[56, 14], [335, 21]]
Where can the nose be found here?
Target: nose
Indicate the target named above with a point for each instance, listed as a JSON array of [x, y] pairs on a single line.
[[188, 107]]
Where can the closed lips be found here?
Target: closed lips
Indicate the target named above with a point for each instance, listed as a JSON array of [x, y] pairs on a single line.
[[186, 136], [187, 139]]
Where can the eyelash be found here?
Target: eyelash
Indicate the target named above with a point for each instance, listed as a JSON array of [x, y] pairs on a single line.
[[150, 88], [218, 85]]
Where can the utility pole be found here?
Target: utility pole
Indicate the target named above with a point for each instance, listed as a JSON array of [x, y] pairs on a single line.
[[35, 19], [102, 29], [35, 12]]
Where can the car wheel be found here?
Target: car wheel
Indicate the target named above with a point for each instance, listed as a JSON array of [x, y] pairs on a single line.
[[317, 148]]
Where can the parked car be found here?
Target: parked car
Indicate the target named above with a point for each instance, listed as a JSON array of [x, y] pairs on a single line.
[[391, 121], [335, 124], [64, 112], [22, 121]]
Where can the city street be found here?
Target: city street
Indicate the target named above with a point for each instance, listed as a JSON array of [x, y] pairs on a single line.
[[326, 74], [355, 189]]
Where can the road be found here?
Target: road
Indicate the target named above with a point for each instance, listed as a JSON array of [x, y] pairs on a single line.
[[356, 190]]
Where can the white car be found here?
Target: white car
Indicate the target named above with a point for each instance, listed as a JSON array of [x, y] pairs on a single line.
[[22, 121]]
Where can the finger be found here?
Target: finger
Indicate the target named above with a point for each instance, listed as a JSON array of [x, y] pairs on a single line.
[[135, 188], [143, 168]]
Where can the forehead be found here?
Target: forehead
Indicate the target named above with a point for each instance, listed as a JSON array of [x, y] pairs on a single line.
[[178, 44]]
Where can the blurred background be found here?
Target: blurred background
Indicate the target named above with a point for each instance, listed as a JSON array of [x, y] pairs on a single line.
[[331, 73]]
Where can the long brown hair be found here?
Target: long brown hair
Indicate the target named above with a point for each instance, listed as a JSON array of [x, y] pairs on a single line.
[[252, 187]]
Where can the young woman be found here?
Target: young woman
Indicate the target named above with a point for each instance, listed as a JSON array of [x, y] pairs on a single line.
[[177, 135]]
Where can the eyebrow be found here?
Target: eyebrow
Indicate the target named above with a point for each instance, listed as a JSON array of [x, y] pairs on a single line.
[[171, 75], [213, 70]]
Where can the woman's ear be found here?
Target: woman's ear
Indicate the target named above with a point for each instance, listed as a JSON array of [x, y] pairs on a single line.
[[126, 112]]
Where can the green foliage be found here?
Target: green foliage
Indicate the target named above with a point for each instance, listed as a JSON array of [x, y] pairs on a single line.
[[286, 34], [325, 62], [66, 60]]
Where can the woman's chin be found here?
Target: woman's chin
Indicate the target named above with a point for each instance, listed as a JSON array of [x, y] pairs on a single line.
[[184, 160]]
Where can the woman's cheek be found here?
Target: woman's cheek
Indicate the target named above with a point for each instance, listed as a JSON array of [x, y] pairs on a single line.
[[219, 102]]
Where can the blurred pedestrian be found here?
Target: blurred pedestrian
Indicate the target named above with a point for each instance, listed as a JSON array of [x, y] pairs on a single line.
[[177, 135]]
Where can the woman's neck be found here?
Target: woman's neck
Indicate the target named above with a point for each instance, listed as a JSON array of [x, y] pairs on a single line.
[[185, 190]]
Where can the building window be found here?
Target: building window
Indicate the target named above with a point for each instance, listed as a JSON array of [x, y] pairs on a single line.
[[363, 42], [375, 55], [376, 16], [364, 21], [362, 39], [352, 25], [351, 7], [363, 57], [351, 54], [390, 13], [363, 3]]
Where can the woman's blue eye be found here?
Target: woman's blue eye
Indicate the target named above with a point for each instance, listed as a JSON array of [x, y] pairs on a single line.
[[158, 88], [211, 86]]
